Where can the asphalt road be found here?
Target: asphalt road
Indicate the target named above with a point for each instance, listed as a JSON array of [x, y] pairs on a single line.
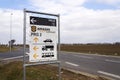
[[12, 54], [95, 64]]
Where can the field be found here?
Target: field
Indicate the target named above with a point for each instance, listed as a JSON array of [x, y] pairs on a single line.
[[14, 71], [103, 49], [4, 48]]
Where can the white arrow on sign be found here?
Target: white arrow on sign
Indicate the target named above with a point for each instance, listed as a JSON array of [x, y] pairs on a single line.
[[33, 20]]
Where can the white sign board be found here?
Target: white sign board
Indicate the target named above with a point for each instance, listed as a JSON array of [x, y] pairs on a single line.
[[43, 39]]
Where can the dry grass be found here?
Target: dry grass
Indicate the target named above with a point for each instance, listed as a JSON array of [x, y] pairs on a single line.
[[104, 49], [13, 71], [4, 49]]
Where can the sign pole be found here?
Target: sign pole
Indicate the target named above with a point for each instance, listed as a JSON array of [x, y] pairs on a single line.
[[10, 43], [59, 46], [24, 43]]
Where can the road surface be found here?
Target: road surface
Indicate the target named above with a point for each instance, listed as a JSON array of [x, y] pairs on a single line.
[[95, 64]]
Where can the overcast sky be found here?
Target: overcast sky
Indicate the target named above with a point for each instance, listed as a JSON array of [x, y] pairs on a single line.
[[82, 21]]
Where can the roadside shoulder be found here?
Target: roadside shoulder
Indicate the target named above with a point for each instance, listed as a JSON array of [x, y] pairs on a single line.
[[89, 75]]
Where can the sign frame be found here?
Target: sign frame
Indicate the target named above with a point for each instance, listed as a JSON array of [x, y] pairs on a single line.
[[24, 42]]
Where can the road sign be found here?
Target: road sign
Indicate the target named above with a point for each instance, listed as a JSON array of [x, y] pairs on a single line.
[[43, 38], [42, 21]]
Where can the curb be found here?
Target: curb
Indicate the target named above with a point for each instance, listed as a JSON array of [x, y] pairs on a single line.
[[88, 74]]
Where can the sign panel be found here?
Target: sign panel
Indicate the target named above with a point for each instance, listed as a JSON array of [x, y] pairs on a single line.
[[42, 21], [43, 39]]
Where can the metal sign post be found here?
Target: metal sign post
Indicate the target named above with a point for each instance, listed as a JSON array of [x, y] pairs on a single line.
[[44, 39], [24, 42]]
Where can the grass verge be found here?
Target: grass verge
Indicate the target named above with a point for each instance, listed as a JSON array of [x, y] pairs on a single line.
[[13, 71]]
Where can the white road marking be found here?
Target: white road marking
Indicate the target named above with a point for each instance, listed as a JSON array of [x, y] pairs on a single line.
[[109, 74], [72, 64], [112, 61], [84, 56]]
